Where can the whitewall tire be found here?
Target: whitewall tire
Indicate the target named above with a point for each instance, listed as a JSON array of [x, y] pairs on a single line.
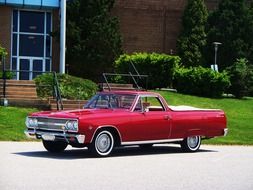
[[191, 144], [102, 144]]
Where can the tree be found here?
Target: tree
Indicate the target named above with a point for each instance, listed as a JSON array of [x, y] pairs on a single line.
[[241, 77], [93, 38], [232, 25], [193, 37]]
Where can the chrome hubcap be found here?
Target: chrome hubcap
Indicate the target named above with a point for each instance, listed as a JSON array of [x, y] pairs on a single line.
[[193, 141], [103, 143]]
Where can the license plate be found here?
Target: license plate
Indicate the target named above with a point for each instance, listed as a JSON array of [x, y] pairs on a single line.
[[48, 137]]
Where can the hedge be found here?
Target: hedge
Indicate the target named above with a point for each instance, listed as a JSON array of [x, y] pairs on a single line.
[[159, 67], [201, 82], [8, 75], [71, 87]]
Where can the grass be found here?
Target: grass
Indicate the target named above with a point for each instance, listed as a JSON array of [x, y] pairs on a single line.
[[12, 123], [239, 115]]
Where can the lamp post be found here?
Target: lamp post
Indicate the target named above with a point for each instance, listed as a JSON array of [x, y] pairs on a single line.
[[216, 45]]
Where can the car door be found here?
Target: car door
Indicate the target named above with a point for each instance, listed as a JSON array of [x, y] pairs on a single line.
[[149, 120]]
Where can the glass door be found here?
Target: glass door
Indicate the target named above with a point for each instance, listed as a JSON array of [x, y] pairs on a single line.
[[31, 43], [24, 69], [38, 67], [30, 68]]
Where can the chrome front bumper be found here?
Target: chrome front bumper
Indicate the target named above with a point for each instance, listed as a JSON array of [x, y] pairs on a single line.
[[57, 136], [225, 132]]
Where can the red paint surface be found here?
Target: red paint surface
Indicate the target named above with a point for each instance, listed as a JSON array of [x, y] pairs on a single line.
[[141, 126]]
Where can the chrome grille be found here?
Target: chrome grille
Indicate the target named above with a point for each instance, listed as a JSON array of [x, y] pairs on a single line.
[[51, 124]]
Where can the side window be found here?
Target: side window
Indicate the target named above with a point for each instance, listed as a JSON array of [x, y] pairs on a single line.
[[149, 104], [101, 101], [126, 101], [138, 106], [104, 101]]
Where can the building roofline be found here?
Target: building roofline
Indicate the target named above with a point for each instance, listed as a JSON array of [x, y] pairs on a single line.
[[41, 4]]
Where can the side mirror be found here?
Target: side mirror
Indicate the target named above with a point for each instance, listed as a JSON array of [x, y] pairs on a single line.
[[145, 110]]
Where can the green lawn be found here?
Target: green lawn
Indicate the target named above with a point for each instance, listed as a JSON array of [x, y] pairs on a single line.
[[239, 115], [12, 123]]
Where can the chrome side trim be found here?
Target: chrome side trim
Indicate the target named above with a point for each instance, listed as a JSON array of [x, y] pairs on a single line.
[[225, 132], [151, 141]]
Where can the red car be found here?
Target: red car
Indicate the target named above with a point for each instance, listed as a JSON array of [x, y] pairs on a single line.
[[121, 118]]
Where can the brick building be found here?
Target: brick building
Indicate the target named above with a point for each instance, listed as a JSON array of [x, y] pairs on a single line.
[[151, 25], [25, 32], [25, 28]]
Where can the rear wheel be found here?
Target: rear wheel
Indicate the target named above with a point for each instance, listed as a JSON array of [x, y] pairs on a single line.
[[191, 144], [54, 146], [103, 144]]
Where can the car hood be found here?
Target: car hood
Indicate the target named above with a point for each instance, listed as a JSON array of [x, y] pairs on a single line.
[[75, 113]]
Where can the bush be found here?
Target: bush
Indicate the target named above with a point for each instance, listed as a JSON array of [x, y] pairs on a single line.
[[241, 76], [9, 75], [159, 67], [70, 87], [201, 82], [3, 52]]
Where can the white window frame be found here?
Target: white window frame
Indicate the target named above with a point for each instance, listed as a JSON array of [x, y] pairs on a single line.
[[44, 34]]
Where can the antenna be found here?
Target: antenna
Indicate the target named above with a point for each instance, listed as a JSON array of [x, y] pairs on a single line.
[[134, 80], [131, 62], [124, 75]]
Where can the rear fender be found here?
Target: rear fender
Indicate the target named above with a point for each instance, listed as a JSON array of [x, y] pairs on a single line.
[[194, 132]]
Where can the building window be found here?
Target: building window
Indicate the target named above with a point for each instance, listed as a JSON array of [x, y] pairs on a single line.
[[31, 43]]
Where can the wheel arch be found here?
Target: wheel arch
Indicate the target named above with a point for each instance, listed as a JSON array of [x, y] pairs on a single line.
[[113, 129]]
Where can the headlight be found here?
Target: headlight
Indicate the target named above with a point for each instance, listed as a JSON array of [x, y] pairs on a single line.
[[71, 126], [31, 122]]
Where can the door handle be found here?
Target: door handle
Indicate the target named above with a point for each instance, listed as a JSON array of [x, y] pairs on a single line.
[[167, 117]]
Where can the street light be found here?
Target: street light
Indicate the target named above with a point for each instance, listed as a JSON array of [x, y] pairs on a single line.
[[216, 45]]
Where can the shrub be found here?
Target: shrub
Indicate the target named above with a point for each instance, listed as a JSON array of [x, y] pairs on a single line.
[[241, 76], [159, 67], [3, 52], [201, 82], [9, 75], [70, 87]]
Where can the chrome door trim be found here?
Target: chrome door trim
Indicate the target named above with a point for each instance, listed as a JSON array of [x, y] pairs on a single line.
[[151, 141]]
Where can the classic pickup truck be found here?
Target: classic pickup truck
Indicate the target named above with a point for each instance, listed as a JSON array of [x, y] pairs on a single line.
[[120, 118]]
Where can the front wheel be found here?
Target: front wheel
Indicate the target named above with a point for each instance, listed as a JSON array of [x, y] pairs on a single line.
[[103, 144], [191, 144], [54, 146]]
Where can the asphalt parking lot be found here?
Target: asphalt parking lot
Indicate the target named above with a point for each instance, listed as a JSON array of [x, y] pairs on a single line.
[[26, 165]]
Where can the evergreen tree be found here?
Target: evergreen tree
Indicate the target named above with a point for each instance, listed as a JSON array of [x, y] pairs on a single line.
[[241, 77], [93, 38], [193, 37], [232, 25]]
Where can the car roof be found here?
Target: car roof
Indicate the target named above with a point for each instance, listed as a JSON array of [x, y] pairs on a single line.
[[129, 92]]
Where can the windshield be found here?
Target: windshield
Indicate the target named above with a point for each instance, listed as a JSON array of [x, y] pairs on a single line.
[[114, 101]]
